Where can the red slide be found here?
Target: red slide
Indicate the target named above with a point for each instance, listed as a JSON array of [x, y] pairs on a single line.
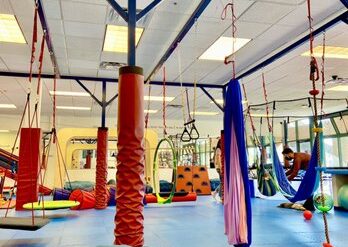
[[9, 166]]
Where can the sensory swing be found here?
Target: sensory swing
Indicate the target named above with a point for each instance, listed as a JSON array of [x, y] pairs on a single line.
[[313, 178], [237, 205], [160, 199], [33, 223]]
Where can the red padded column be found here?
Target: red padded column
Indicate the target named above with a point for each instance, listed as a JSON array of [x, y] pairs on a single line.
[[88, 160], [101, 191], [130, 159], [28, 166]]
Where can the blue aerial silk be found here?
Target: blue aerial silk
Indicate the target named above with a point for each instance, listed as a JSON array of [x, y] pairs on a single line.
[[310, 181], [234, 114]]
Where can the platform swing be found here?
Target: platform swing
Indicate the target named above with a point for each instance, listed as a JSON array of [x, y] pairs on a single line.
[[25, 223], [165, 139], [237, 205]]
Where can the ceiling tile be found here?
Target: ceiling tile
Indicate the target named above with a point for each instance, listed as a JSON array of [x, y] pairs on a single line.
[[83, 12], [86, 30], [83, 43], [52, 9]]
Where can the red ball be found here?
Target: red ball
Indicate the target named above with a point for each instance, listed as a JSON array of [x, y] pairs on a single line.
[[327, 245], [307, 215]]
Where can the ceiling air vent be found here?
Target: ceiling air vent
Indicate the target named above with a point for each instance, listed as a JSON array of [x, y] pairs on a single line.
[[110, 65]]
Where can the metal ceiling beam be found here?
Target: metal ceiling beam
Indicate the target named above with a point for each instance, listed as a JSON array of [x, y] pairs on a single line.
[[186, 28], [345, 3], [148, 8], [111, 80], [212, 99], [45, 28], [294, 45], [121, 11]]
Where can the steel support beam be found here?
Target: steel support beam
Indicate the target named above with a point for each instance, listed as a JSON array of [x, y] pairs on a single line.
[[118, 9], [111, 80], [103, 104], [212, 98], [112, 99], [294, 45], [90, 93], [148, 8], [48, 37], [186, 28], [132, 22]]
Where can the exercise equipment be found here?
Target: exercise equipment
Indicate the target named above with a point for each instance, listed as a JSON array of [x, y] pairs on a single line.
[[86, 199], [177, 197], [343, 196], [20, 223], [160, 199], [51, 205], [237, 206], [323, 202], [61, 194]]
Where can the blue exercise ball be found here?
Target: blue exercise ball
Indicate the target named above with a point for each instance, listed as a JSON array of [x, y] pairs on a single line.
[[343, 196]]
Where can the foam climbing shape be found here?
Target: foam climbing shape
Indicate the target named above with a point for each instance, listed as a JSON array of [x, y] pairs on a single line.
[[130, 180], [184, 179], [201, 183], [85, 198]]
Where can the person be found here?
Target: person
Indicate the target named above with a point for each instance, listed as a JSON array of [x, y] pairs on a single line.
[[300, 162], [217, 163]]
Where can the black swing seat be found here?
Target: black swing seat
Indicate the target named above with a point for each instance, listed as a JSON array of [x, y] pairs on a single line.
[[22, 223]]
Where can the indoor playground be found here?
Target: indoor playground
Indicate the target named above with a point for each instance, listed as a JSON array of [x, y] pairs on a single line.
[[171, 123]]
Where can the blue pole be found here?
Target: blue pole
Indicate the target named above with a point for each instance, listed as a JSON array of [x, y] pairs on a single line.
[[103, 117], [132, 20]]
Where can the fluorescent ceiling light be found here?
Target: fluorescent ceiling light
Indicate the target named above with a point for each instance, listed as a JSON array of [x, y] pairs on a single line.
[[10, 30], [260, 115], [205, 113], [158, 98], [220, 101], [66, 93], [81, 108], [8, 106], [223, 48], [116, 38], [330, 52], [150, 111], [4, 131], [339, 88]]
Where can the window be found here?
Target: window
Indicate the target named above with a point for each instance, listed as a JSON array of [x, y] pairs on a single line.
[[344, 147], [292, 131], [328, 128], [305, 147], [342, 124], [293, 146], [303, 129], [331, 152]]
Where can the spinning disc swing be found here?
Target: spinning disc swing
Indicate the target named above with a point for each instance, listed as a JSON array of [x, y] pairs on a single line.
[[33, 223], [160, 199]]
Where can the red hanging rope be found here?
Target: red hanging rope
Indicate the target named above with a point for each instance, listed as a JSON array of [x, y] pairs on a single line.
[[164, 102], [323, 76], [148, 107], [234, 30], [33, 44], [266, 100]]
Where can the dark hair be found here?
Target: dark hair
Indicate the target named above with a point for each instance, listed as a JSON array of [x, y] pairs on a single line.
[[218, 145], [287, 151]]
